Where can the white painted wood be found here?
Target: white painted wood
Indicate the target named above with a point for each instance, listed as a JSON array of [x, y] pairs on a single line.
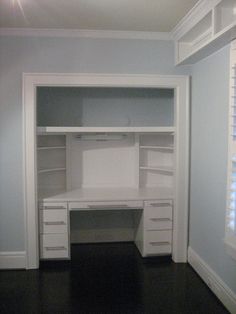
[[157, 147], [195, 39], [224, 15], [195, 15], [99, 164], [136, 162], [106, 205], [214, 282], [63, 130], [110, 194], [53, 221], [162, 169], [13, 260], [51, 170], [51, 148], [180, 85], [55, 205], [54, 246], [158, 242]]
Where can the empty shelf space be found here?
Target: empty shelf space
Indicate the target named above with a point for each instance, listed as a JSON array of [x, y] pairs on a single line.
[[51, 170]]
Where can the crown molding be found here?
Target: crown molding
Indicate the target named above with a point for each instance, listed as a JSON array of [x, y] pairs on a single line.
[[201, 8], [74, 33]]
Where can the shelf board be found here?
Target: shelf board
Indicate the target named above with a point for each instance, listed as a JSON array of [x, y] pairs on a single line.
[[62, 130], [51, 170], [157, 147], [112, 194], [162, 169], [50, 147]]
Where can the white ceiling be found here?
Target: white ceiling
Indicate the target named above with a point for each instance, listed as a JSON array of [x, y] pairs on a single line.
[[116, 15]]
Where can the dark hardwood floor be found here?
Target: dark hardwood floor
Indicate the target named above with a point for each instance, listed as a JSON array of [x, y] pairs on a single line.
[[107, 278]]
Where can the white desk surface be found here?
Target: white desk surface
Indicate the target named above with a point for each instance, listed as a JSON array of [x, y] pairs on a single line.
[[111, 194]]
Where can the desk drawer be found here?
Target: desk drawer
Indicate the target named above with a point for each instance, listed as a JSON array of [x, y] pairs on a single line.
[[158, 224], [54, 246], [158, 242], [113, 205], [53, 221], [53, 205]]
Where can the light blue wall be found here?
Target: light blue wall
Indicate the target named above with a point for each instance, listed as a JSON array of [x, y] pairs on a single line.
[[210, 99], [18, 55]]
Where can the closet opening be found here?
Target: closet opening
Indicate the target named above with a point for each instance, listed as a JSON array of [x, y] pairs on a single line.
[[108, 164]]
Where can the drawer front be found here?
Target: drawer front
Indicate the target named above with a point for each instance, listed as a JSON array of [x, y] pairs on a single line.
[[164, 212], [53, 221], [158, 242], [158, 224], [158, 215], [54, 246], [53, 205], [116, 205]]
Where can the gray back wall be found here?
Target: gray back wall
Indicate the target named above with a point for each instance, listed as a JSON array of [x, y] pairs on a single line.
[[26, 54]]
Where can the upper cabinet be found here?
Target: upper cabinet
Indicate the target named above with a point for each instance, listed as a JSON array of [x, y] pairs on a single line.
[[210, 25]]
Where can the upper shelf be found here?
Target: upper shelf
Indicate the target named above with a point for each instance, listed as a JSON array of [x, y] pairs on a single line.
[[64, 130], [205, 30]]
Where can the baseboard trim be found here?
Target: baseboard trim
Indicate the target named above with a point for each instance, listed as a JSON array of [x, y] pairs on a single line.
[[213, 281], [13, 260]]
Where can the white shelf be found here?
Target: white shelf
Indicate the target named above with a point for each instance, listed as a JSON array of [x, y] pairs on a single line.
[[64, 130], [51, 147], [157, 147], [195, 41], [51, 170], [112, 194], [162, 169]]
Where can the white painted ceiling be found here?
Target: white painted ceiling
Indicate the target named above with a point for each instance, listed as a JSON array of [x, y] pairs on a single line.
[[118, 15]]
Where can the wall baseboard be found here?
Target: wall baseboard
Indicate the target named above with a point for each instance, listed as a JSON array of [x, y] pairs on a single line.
[[214, 282], [13, 260]]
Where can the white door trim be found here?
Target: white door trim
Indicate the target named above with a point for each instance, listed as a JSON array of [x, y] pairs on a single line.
[[181, 86]]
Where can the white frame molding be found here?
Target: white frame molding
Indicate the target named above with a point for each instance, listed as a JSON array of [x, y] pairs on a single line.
[[84, 33], [181, 86]]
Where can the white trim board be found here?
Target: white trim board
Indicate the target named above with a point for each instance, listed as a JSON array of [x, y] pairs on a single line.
[[13, 260], [214, 282], [84, 33]]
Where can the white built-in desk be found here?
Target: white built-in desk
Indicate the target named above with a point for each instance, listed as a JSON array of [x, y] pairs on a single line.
[[154, 206]]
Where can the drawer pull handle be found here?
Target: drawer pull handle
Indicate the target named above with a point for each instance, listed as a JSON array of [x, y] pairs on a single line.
[[54, 223], [160, 219], [54, 207], [108, 206], [159, 243], [55, 248], [160, 204]]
